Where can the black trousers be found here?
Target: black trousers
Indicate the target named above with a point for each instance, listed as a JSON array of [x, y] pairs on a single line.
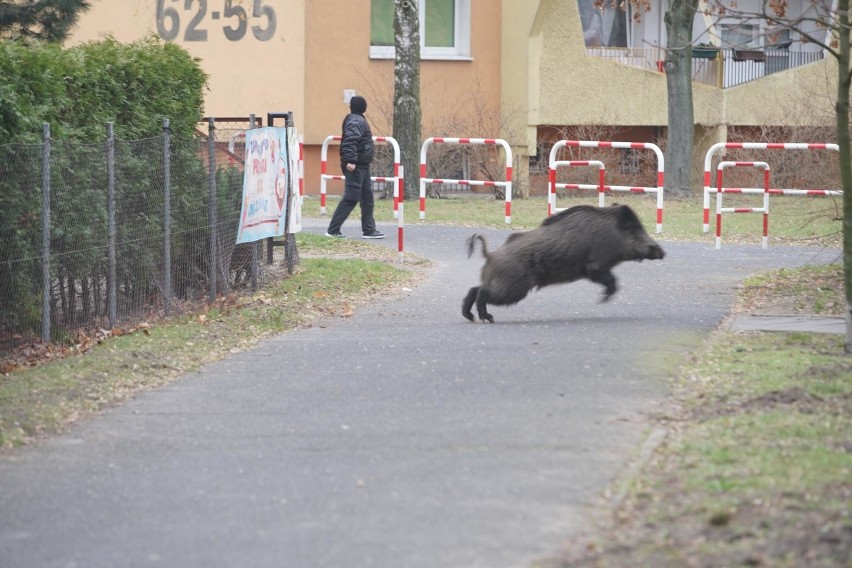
[[357, 190]]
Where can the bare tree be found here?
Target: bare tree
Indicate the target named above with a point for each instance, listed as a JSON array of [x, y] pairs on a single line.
[[406, 96]]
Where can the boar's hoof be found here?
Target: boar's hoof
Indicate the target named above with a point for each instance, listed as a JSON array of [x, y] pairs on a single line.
[[608, 293]]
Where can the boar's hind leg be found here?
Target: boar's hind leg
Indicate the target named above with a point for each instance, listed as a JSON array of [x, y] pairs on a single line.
[[607, 280], [468, 301], [481, 300]]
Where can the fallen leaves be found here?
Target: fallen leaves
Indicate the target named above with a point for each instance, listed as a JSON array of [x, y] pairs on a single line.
[[38, 352]]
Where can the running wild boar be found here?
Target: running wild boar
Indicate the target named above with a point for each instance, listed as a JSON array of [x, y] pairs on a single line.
[[580, 242]]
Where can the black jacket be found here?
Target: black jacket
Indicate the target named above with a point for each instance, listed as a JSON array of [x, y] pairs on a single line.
[[356, 147]]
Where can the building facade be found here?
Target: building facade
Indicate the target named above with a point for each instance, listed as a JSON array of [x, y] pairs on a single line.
[[522, 70]]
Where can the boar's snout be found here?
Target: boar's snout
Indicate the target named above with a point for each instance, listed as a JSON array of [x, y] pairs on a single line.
[[646, 248], [655, 252]]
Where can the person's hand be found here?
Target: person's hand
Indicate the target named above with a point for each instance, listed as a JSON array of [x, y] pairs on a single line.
[[350, 167]]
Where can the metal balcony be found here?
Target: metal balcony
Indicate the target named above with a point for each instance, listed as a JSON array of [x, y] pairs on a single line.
[[722, 68]]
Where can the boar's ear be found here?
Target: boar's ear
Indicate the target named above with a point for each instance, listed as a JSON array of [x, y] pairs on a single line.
[[627, 219]]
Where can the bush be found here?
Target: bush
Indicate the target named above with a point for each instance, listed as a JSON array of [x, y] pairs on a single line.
[[78, 90]]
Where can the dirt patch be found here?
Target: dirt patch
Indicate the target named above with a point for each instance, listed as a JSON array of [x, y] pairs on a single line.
[[791, 530]]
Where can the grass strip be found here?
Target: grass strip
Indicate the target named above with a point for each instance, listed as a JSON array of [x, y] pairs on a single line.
[[756, 469]]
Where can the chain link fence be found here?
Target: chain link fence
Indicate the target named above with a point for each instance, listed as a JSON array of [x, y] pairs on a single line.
[[95, 236]]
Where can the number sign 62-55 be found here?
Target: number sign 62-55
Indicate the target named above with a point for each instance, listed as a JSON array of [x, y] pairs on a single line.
[[236, 16]]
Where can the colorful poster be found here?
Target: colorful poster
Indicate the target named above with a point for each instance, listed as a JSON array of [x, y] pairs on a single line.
[[265, 180], [295, 207]]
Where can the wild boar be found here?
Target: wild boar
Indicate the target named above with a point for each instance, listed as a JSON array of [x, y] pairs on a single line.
[[580, 242]]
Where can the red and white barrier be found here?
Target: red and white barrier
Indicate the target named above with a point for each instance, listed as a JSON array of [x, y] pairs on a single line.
[[400, 215], [721, 190], [708, 160], [325, 176], [553, 163], [551, 201], [302, 168], [476, 141]]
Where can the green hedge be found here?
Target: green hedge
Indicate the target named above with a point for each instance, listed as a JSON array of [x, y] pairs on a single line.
[[78, 90]]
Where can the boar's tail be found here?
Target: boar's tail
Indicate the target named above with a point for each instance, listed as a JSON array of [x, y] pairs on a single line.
[[471, 245]]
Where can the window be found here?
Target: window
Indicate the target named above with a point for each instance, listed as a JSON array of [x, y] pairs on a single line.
[[740, 36], [779, 38], [604, 23], [444, 29]]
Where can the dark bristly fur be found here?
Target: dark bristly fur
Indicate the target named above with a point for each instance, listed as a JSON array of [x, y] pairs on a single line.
[[580, 242]]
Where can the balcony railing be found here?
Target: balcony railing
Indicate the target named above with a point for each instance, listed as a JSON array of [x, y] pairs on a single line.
[[729, 68]]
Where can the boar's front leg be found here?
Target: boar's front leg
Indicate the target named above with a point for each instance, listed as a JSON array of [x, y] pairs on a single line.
[[604, 277], [468, 301]]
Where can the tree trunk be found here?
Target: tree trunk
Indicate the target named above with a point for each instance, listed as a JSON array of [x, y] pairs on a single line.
[[681, 128], [406, 91], [845, 155]]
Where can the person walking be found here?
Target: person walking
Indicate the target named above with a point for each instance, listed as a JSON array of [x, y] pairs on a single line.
[[356, 155]]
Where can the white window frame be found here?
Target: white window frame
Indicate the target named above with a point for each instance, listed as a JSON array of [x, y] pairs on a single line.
[[461, 51], [756, 32]]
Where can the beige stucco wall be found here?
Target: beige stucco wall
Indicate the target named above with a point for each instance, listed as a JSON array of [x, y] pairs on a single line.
[[518, 77], [579, 89], [246, 76], [803, 96]]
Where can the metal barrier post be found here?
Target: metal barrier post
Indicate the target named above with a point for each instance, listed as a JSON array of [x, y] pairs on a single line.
[[606, 144], [720, 190], [474, 141], [708, 160]]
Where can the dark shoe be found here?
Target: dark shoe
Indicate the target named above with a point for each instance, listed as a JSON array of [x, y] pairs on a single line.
[[374, 235], [335, 235]]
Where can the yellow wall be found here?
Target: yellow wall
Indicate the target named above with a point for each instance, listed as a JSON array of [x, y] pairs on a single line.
[[575, 88], [246, 75], [803, 96], [518, 77]]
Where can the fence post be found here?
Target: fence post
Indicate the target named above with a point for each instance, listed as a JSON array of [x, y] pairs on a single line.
[[167, 219], [252, 126], [111, 231], [291, 252], [45, 234], [211, 206]]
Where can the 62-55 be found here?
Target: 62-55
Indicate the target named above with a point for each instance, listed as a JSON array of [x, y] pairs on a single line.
[[168, 20]]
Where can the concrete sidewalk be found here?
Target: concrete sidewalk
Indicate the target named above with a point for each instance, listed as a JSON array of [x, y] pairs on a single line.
[[808, 324]]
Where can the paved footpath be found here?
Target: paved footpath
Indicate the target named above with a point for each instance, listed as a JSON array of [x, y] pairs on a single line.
[[402, 437]]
